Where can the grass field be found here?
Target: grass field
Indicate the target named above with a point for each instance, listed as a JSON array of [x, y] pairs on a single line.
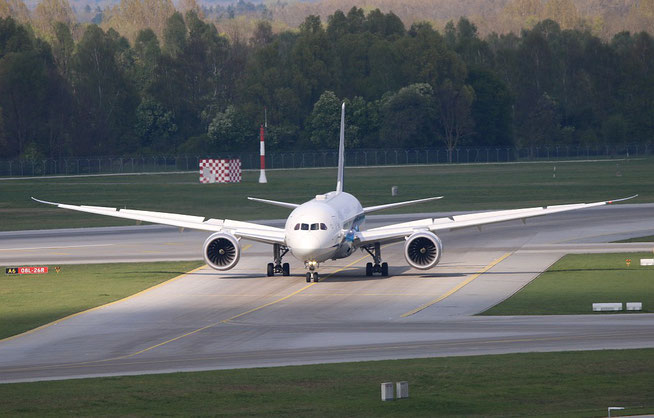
[[29, 301], [576, 281], [465, 187], [573, 384], [649, 238]]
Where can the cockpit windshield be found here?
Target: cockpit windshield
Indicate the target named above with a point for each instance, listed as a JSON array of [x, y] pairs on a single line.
[[313, 227]]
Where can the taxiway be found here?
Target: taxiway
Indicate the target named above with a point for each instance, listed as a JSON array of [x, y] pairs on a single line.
[[241, 318]]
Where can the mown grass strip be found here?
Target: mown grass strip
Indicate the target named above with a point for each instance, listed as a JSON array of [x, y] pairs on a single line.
[[465, 187], [649, 238], [577, 281], [29, 301], [574, 384]]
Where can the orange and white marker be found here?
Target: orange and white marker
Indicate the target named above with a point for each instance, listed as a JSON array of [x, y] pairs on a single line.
[[262, 153]]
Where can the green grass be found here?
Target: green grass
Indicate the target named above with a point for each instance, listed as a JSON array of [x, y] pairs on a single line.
[[649, 238], [29, 301], [574, 384], [465, 187], [576, 281]]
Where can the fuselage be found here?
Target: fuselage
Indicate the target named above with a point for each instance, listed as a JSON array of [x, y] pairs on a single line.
[[323, 228]]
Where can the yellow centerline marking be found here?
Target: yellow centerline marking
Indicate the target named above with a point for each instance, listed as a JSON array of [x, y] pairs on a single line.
[[224, 321], [455, 288]]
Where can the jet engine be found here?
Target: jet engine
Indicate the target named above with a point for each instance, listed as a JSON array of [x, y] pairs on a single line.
[[221, 251], [423, 250]]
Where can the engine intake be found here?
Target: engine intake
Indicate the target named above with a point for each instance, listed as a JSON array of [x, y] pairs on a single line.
[[221, 251], [423, 250]]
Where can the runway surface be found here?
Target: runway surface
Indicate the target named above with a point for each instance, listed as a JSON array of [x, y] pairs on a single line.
[[241, 318]]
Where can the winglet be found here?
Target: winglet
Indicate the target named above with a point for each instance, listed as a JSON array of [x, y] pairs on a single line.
[[44, 201], [621, 200], [341, 152]]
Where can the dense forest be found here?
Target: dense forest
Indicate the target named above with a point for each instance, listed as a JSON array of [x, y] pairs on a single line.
[[180, 86]]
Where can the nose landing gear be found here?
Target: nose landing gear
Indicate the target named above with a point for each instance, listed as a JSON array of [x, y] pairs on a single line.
[[378, 266], [312, 274], [277, 267]]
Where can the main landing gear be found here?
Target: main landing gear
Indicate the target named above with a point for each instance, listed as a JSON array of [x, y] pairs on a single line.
[[378, 267], [277, 267]]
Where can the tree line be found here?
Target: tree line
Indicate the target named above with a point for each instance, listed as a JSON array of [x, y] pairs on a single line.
[[194, 90]]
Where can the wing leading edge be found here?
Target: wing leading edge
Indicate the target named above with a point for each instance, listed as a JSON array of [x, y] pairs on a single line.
[[248, 230], [398, 232]]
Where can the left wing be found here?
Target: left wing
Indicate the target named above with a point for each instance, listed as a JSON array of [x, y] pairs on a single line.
[[248, 230], [398, 232]]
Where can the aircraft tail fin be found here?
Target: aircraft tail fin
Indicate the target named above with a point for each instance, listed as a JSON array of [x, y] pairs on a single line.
[[341, 153]]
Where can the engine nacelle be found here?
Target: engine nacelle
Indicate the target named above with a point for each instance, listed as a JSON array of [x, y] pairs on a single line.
[[221, 251], [423, 250]]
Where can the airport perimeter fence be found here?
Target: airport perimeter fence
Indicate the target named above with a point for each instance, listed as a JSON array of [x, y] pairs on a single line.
[[315, 159]]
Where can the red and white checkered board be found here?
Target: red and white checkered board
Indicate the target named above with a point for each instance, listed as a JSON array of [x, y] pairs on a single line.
[[220, 171]]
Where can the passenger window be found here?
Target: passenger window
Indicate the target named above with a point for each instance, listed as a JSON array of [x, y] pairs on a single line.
[[323, 227], [297, 226], [314, 227], [305, 227]]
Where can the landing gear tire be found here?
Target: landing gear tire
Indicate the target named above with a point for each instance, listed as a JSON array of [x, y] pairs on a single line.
[[368, 269], [308, 277], [316, 278], [378, 266], [384, 269], [271, 269], [286, 269]]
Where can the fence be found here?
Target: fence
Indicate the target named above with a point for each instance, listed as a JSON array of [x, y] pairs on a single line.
[[304, 159]]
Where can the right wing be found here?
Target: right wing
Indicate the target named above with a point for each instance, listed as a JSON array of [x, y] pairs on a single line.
[[248, 230], [398, 232]]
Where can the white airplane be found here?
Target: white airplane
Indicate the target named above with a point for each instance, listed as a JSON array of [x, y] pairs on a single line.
[[328, 227]]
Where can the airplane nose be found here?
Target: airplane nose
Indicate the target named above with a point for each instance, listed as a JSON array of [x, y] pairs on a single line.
[[304, 247], [307, 247]]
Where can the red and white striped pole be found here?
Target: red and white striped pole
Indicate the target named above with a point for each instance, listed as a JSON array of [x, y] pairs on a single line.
[[262, 153]]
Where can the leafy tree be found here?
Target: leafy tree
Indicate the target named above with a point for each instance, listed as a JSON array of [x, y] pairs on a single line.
[[455, 111], [155, 126], [107, 99], [230, 131], [23, 90], [15, 9], [62, 49], [491, 109], [174, 35], [263, 34], [324, 121], [409, 117], [48, 13], [14, 37]]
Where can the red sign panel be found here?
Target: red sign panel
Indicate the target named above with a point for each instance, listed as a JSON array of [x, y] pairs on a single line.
[[32, 270]]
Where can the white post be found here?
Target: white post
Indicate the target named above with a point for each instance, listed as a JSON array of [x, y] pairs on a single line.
[[262, 154], [387, 391]]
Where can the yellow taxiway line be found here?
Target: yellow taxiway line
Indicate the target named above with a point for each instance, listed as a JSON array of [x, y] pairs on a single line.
[[455, 288], [224, 321]]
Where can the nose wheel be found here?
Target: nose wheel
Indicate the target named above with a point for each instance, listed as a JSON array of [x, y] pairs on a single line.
[[313, 277], [277, 267], [312, 274]]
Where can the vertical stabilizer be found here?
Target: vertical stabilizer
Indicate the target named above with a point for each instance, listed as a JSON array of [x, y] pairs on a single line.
[[341, 153]]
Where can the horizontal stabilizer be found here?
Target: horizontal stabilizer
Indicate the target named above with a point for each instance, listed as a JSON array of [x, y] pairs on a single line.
[[398, 204], [275, 202]]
